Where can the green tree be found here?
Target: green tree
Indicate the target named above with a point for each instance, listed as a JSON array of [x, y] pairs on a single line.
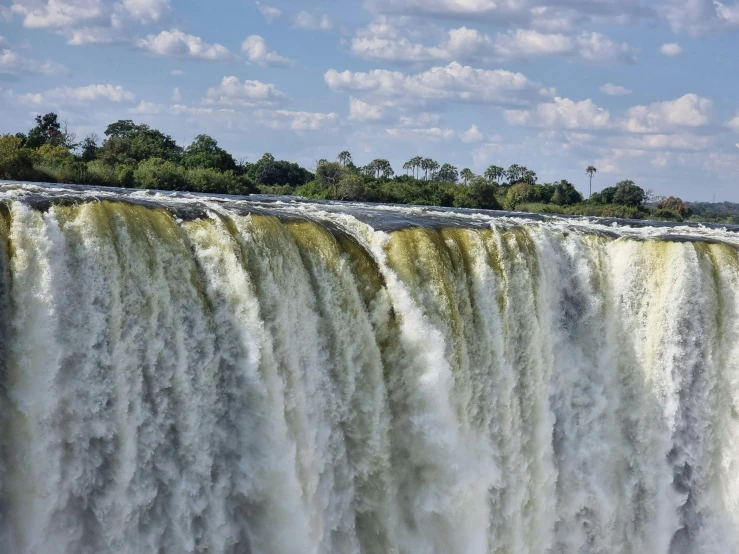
[[329, 174], [676, 205], [205, 153], [466, 175], [382, 168], [448, 174], [49, 130], [89, 148], [130, 144], [494, 174], [565, 194], [591, 171], [519, 174], [344, 158], [16, 162]]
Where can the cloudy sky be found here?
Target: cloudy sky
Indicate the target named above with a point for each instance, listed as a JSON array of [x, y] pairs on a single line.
[[643, 89]]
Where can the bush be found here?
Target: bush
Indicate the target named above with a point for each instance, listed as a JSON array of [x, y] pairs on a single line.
[[157, 173], [217, 182], [667, 215], [676, 205], [16, 162]]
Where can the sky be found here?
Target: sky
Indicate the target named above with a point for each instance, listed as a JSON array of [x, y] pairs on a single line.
[[646, 90]]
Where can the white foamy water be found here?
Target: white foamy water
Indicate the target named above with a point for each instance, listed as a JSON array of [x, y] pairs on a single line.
[[182, 374]]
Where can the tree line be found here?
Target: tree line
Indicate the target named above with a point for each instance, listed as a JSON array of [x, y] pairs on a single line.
[[135, 155]]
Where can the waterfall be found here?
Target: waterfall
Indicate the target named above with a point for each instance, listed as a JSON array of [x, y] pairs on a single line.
[[184, 374]]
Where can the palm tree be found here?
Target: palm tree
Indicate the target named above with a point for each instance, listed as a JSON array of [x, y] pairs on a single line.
[[344, 158], [416, 163], [407, 166], [591, 171], [433, 166], [467, 175], [494, 173]]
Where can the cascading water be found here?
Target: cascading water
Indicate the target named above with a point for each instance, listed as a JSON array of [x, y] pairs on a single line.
[[184, 374]]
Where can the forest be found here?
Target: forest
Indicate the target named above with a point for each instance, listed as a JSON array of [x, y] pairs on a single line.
[[136, 156]]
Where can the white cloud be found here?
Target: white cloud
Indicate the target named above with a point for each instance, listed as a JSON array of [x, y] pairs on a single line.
[[90, 21], [296, 121], [147, 108], [453, 82], [256, 51], [671, 49], [614, 90], [147, 11], [96, 35], [176, 44], [660, 141], [310, 22], [421, 120], [433, 134], [68, 95], [176, 95], [563, 113], [473, 134], [381, 41], [270, 13], [46, 14], [688, 111], [13, 63], [698, 17], [557, 13], [734, 123], [232, 92], [364, 111], [177, 73]]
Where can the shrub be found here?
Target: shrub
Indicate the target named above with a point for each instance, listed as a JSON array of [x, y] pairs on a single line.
[[157, 173], [16, 162]]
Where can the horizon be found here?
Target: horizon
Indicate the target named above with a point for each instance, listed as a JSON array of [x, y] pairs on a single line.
[[629, 87]]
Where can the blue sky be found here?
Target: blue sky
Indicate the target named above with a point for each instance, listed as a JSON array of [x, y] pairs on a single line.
[[644, 90]]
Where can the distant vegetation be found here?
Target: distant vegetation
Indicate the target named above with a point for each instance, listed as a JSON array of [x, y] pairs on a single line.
[[133, 155]]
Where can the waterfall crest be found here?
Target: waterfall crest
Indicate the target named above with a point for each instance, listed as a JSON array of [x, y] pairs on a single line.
[[302, 381]]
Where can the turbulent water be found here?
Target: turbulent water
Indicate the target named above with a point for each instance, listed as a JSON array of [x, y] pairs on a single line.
[[185, 374]]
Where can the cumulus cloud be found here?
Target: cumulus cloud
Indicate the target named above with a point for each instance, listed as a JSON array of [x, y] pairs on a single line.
[[46, 14], [69, 95], [382, 41], [232, 92], [147, 11], [14, 64], [698, 17], [364, 111], [671, 49], [147, 108], [563, 113], [256, 51], [90, 21], [453, 82], [614, 90], [734, 123], [176, 44], [690, 110], [309, 22], [270, 13], [473, 134], [507, 12], [296, 121]]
